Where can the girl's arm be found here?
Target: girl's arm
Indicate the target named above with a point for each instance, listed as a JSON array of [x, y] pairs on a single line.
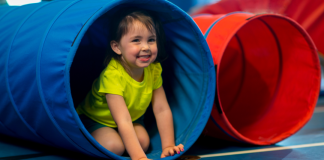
[[126, 130], [164, 122]]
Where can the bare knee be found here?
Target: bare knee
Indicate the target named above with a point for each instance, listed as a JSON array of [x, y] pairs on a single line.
[[142, 136], [116, 147], [109, 139], [145, 142]]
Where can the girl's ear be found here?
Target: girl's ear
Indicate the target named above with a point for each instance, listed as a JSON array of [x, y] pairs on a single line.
[[115, 47]]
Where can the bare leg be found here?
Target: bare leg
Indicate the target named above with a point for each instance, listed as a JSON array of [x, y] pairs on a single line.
[[109, 139], [142, 136]]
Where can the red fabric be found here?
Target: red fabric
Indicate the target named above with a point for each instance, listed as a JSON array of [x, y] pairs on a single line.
[[268, 76], [308, 13]]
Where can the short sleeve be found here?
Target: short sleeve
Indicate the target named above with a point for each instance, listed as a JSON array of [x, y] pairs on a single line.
[[112, 82], [157, 77]]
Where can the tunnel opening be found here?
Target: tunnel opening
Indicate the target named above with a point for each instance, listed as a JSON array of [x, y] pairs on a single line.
[[185, 73], [262, 82]]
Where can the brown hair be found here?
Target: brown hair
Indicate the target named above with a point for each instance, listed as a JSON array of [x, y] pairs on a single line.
[[122, 19]]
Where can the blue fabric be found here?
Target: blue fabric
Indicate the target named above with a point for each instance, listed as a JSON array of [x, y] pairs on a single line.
[[52, 51], [9, 114], [24, 96]]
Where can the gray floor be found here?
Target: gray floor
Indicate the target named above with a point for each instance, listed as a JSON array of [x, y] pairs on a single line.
[[307, 144]]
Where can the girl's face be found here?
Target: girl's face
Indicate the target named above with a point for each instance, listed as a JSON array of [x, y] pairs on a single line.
[[138, 47]]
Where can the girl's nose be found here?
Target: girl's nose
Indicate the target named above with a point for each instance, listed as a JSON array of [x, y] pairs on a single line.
[[145, 47]]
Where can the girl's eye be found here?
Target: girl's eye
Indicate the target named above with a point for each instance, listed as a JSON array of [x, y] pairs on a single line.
[[135, 40], [152, 40]]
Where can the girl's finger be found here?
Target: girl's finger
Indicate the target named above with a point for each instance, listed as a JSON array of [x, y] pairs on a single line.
[[171, 152], [181, 147], [176, 149]]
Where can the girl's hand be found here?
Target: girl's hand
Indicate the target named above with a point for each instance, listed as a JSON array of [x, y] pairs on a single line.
[[144, 159], [170, 151]]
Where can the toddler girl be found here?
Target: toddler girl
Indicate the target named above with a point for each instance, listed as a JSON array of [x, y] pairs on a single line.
[[113, 110]]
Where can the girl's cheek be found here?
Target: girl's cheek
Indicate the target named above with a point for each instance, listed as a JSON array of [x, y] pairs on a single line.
[[154, 48], [155, 51], [134, 49]]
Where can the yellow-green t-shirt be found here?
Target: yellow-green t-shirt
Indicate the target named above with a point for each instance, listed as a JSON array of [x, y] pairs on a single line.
[[115, 80]]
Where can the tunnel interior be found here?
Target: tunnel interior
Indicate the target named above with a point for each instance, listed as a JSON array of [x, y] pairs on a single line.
[[267, 79], [185, 71]]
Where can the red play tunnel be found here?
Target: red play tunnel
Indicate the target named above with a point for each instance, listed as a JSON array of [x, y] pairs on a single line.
[[267, 76]]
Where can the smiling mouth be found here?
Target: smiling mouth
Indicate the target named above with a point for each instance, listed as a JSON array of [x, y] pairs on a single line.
[[144, 58]]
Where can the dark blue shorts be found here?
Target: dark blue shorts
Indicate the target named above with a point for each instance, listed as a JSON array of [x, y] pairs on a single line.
[[92, 125]]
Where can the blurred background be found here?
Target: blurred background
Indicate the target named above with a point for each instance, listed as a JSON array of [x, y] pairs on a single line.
[[19, 2], [308, 13], [185, 5]]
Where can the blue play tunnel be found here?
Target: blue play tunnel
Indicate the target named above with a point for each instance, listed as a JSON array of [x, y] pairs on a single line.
[[51, 52]]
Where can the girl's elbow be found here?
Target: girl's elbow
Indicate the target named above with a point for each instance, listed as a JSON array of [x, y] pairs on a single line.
[[123, 121], [162, 109]]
